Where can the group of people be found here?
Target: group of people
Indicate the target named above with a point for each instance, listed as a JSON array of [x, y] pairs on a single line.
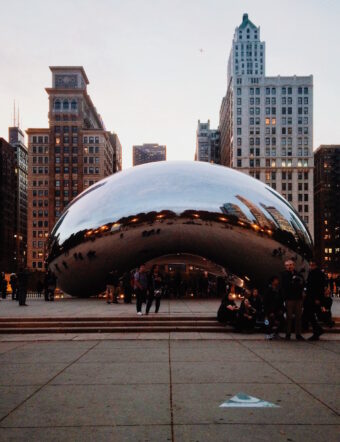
[[19, 286], [287, 297], [147, 286]]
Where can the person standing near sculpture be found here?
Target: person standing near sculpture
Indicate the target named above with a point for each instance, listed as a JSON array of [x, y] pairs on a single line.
[[13, 280], [156, 288], [292, 288], [141, 287], [315, 286], [22, 286]]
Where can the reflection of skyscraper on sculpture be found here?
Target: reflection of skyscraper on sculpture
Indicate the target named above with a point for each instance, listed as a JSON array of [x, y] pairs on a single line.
[[259, 216], [234, 210], [280, 220]]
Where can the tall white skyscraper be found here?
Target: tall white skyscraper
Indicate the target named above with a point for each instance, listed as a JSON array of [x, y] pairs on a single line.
[[266, 123]]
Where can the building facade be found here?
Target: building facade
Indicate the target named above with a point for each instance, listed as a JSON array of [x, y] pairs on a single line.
[[207, 143], [148, 153], [17, 140], [266, 123], [73, 153], [327, 207], [8, 183]]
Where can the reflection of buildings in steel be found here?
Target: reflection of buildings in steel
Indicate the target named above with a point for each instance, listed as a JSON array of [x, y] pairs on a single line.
[[234, 210], [280, 220], [260, 217]]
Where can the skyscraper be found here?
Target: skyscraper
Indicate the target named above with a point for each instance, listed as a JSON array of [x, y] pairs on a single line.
[[16, 139], [148, 153], [207, 143], [72, 154], [8, 185], [327, 207], [266, 123]]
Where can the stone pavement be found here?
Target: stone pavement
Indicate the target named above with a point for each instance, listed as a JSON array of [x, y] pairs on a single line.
[[168, 390]]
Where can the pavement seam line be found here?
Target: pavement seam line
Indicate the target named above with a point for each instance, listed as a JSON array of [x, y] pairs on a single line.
[[46, 383], [294, 382], [170, 387]]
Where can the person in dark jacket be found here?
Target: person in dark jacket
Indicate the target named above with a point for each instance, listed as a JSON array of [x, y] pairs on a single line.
[[273, 305], [155, 289], [112, 287], [256, 302], [228, 309], [246, 318], [315, 286], [13, 280], [292, 288], [22, 286], [326, 302]]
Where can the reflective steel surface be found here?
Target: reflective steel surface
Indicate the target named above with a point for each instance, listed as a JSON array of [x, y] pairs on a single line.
[[166, 208]]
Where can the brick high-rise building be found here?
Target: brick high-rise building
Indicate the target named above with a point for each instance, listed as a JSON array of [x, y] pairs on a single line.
[[8, 187], [72, 154], [148, 153], [327, 207], [266, 123]]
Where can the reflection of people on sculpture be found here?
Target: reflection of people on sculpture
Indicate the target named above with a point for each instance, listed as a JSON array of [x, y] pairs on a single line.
[[141, 287], [112, 287]]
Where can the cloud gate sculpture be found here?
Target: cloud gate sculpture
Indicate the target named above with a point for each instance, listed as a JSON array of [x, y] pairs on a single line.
[[170, 208]]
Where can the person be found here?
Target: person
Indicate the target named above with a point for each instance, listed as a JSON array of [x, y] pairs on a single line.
[[273, 306], [256, 302], [141, 287], [13, 280], [325, 313], [228, 309], [156, 289], [127, 287], [40, 287], [112, 287], [3, 287], [50, 286], [315, 285], [246, 317], [292, 288], [22, 286]]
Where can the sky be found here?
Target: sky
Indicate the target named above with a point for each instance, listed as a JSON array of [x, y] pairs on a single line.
[[156, 67]]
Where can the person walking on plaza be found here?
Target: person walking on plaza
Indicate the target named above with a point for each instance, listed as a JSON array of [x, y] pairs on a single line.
[[13, 280], [292, 288], [22, 286], [315, 286], [141, 287], [325, 312], [155, 289]]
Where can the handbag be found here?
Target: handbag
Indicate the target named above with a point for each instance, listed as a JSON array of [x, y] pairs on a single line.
[[157, 293]]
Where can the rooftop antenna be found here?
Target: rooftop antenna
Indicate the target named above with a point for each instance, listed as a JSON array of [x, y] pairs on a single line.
[[14, 113], [18, 116]]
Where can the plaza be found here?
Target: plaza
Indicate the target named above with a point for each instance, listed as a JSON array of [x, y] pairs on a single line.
[[164, 386]]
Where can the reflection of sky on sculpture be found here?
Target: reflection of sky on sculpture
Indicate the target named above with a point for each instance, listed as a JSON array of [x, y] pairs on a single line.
[[176, 186]]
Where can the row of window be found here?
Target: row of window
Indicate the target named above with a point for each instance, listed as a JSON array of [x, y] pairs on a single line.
[[65, 192], [66, 149], [91, 170], [65, 104], [66, 140], [303, 162], [40, 139], [66, 160], [272, 91], [90, 140], [40, 234], [66, 129], [59, 117]]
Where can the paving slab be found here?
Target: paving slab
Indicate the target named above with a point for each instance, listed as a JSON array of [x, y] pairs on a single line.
[[328, 345], [226, 371], [12, 396], [232, 351], [200, 404], [137, 433], [7, 346], [312, 372], [29, 374], [272, 353], [97, 405], [46, 352], [140, 354], [328, 394], [257, 433], [115, 373]]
